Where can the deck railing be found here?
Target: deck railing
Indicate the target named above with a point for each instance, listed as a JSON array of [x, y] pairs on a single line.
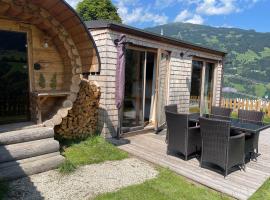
[[247, 104]]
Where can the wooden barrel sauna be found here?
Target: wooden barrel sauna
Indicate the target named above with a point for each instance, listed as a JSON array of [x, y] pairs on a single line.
[[59, 49]]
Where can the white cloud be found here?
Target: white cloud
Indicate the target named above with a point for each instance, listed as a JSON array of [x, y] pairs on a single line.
[[189, 17], [73, 3], [217, 7], [194, 11], [138, 14], [164, 3], [182, 16], [168, 3], [196, 19]]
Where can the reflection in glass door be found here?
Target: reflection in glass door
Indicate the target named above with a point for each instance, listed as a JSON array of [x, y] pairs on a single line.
[[134, 82], [201, 92], [195, 91], [139, 89], [208, 88]]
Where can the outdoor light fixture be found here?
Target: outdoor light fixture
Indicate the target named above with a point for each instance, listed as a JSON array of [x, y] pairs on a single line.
[[182, 54], [126, 43], [46, 41], [46, 45]]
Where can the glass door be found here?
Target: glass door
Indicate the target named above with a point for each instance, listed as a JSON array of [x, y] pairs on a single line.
[[133, 113], [14, 93], [140, 85], [195, 88], [201, 89], [207, 89]]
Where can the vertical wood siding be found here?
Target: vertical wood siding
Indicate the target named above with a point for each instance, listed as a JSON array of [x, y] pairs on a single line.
[[179, 81]]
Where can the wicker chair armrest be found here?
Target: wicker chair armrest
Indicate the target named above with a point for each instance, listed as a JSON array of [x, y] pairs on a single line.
[[236, 150], [239, 136], [194, 130]]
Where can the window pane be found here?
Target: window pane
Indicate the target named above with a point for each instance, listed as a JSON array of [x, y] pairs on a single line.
[[208, 88], [195, 90], [133, 102]]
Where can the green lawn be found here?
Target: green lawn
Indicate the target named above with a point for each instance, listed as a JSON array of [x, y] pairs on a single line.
[[263, 193], [3, 189], [92, 150], [167, 186]]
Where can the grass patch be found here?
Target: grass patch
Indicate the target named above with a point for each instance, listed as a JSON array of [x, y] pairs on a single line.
[[167, 186], [263, 192], [3, 189], [67, 167], [92, 150]]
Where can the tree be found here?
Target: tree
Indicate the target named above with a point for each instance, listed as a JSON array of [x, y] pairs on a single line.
[[98, 9]]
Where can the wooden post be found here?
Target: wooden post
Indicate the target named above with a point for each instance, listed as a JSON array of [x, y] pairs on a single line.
[[227, 103], [230, 106], [268, 109], [251, 105]]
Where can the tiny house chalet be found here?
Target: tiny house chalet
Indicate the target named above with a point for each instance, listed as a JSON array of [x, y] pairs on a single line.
[[159, 71]]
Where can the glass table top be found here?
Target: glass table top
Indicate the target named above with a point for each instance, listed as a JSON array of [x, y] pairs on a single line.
[[237, 124]]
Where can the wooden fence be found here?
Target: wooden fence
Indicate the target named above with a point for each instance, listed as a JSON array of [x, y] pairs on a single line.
[[247, 104]]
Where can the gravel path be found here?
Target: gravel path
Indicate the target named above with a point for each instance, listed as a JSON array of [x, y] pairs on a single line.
[[85, 183]]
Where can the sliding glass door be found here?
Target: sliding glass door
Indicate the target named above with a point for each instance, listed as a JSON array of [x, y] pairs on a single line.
[[208, 88], [139, 89], [134, 82], [195, 88], [201, 90]]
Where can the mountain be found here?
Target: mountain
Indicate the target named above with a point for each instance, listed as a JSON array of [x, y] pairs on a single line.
[[247, 67]]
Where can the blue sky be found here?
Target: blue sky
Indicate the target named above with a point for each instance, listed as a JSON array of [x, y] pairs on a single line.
[[246, 14]]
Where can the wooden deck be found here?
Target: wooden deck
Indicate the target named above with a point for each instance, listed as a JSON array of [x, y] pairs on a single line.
[[238, 184]]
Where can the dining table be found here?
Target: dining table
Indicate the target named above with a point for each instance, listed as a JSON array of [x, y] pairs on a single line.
[[242, 125], [251, 128]]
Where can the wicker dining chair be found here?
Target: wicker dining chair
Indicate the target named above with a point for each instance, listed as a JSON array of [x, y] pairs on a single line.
[[218, 147], [252, 141], [171, 108], [219, 111], [182, 138], [251, 115]]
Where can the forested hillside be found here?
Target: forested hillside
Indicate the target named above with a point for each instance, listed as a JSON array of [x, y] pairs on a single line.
[[248, 62]]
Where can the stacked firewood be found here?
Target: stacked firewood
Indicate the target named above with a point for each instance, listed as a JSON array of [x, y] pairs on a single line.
[[82, 119]]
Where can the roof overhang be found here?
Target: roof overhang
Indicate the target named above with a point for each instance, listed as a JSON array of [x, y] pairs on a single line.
[[101, 24]]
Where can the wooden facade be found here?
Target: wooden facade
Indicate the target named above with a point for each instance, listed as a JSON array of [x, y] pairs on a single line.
[[59, 50], [176, 80]]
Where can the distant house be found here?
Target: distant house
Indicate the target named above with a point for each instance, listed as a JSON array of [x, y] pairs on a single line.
[[159, 70]]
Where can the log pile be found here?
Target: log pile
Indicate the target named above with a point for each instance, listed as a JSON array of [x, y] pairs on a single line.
[[82, 119]]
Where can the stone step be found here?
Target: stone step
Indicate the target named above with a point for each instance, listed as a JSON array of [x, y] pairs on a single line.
[[30, 167], [25, 135], [30, 149]]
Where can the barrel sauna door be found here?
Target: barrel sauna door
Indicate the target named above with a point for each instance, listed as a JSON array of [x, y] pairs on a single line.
[[14, 93]]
